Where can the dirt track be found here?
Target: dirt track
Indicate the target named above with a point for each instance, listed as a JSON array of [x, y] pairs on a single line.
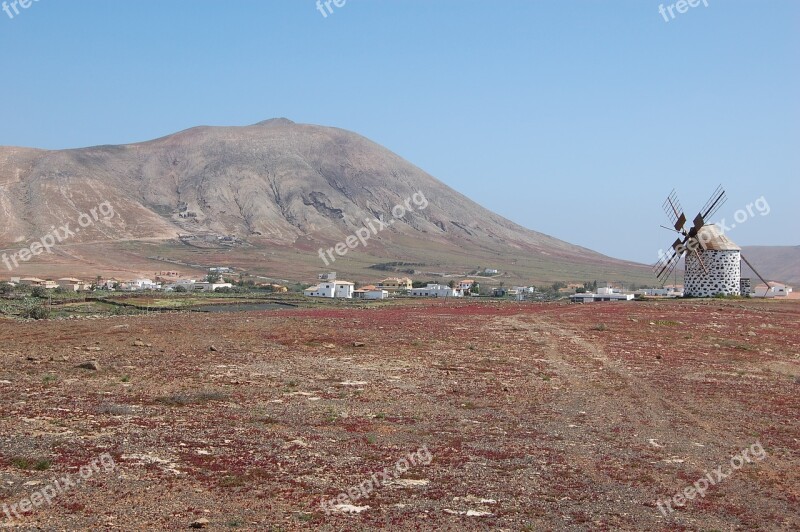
[[538, 416]]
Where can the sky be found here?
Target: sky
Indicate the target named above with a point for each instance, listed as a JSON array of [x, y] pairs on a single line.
[[572, 118]]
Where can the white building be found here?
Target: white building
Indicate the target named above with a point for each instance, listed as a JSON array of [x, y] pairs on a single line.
[[332, 289], [465, 284], [589, 297], [209, 287], [436, 290], [139, 284], [188, 284], [667, 291], [371, 294], [775, 290]]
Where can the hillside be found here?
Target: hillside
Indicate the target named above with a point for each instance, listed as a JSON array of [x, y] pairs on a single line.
[[776, 263], [266, 198]]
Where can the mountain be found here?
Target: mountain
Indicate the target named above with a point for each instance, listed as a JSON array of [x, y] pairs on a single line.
[[266, 198], [775, 263]]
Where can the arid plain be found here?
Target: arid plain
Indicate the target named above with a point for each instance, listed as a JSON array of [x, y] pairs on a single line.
[[536, 417]]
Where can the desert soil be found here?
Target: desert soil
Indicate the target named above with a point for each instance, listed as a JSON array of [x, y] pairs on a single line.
[[536, 417]]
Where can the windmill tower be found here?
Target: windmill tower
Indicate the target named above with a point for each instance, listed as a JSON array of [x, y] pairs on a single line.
[[713, 261]]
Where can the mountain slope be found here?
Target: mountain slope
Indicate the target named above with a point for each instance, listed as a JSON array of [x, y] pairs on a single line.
[[775, 263], [275, 189]]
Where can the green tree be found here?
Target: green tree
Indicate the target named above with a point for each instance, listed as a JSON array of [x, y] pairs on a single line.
[[39, 292]]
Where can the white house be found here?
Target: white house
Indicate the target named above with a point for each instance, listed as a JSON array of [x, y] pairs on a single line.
[[376, 293], [667, 291], [188, 284], [589, 297], [775, 290], [209, 287], [464, 284], [436, 290], [139, 284], [332, 289]]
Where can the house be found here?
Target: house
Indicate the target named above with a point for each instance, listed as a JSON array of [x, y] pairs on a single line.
[[36, 282], [436, 290], [139, 284], [110, 284], [606, 296], [374, 293], [667, 291], [775, 289], [395, 284], [72, 284], [187, 284], [332, 289], [490, 271], [209, 287], [465, 284]]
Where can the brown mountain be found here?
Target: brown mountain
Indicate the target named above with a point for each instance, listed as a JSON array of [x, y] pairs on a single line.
[[775, 263], [266, 198]]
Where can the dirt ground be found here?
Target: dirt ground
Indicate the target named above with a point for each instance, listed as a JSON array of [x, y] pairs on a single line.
[[520, 416]]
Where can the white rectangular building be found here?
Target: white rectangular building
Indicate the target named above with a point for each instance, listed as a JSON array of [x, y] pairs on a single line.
[[331, 289], [436, 290]]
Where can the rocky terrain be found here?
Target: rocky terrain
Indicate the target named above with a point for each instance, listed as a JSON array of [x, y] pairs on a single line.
[[535, 417]]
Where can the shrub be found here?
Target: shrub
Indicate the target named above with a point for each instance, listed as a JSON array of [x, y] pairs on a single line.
[[37, 312], [183, 399], [39, 292]]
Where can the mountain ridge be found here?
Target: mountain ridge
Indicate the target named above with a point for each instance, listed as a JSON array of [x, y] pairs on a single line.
[[274, 184]]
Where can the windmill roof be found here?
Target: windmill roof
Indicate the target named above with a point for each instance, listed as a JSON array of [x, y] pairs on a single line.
[[711, 237]]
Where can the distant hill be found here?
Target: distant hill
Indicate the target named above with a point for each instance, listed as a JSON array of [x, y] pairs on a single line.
[[265, 198], [775, 263]]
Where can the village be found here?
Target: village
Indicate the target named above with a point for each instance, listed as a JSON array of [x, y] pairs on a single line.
[[220, 280]]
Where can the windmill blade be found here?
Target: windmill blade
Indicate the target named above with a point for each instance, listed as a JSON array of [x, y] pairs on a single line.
[[717, 200], [674, 211], [663, 268], [697, 224]]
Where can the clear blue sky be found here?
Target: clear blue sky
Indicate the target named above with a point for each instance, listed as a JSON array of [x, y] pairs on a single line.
[[574, 118]]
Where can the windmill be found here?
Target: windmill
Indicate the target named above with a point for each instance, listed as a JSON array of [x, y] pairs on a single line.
[[713, 261]]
